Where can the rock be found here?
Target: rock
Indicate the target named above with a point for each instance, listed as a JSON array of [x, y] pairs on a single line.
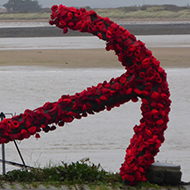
[[164, 174]]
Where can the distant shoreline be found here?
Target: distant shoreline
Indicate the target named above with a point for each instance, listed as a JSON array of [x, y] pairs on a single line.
[[134, 28], [116, 20], [145, 20]]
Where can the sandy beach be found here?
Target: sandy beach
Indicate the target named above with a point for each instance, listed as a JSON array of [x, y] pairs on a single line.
[[89, 58]]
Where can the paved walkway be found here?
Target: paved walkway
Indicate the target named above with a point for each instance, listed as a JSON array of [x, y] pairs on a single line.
[[84, 187]]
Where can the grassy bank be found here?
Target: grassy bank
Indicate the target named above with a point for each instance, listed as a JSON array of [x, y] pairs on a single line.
[[147, 12], [25, 16], [169, 12], [80, 175]]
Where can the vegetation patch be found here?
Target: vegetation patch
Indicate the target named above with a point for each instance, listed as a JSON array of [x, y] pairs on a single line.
[[145, 11], [81, 173]]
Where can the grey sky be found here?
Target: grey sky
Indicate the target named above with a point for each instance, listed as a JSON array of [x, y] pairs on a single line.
[[106, 4]]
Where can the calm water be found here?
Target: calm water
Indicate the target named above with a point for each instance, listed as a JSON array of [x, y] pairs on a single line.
[[87, 42], [102, 137]]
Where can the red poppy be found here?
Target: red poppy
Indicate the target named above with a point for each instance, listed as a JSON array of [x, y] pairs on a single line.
[[52, 128], [160, 122], [145, 63], [138, 176], [100, 35], [116, 86], [134, 99], [61, 123], [122, 80], [155, 62], [3, 140], [72, 9], [84, 27], [54, 8], [128, 177], [93, 13], [109, 34], [106, 91], [142, 74], [78, 13], [15, 124], [91, 29], [100, 25], [37, 136], [70, 15], [154, 111], [67, 101], [103, 98], [24, 134], [159, 80], [164, 96], [129, 91], [32, 130], [65, 30], [71, 24], [148, 132], [43, 126], [51, 22], [161, 106], [84, 114], [68, 119], [53, 15], [137, 91], [77, 115], [155, 95], [54, 109], [13, 136], [86, 107]]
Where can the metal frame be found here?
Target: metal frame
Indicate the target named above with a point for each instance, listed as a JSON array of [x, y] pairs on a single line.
[[2, 116]]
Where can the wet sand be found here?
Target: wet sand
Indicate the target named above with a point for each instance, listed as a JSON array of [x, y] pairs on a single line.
[[89, 58]]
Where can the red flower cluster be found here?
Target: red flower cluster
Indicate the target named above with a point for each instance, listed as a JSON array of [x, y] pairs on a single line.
[[144, 78]]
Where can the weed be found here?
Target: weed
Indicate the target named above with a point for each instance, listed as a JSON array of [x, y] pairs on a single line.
[[147, 185], [73, 175], [35, 184], [81, 172], [12, 186], [24, 185]]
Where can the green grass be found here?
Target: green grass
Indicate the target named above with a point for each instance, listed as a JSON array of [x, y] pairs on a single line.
[[24, 16], [81, 173], [142, 12]]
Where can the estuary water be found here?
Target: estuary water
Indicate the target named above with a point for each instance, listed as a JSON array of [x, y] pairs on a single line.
[[102, 137], [87, 42]]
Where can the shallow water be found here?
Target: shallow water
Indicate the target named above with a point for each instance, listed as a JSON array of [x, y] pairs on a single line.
[[87, 42], [102, 137]]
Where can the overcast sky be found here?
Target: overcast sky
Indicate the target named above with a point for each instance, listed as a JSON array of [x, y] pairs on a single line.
[[107, 3]]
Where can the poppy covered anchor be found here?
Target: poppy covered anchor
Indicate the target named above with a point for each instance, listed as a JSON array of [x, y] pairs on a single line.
[[143, 80]]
